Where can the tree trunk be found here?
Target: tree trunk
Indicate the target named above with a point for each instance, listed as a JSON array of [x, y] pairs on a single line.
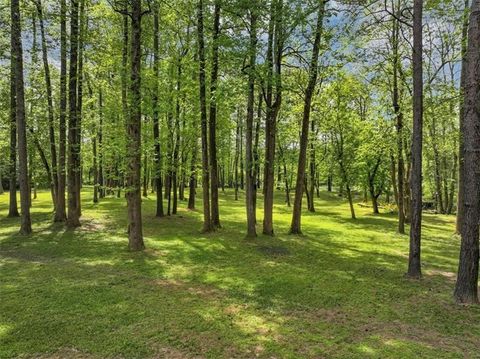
[[213, 117], [414, 264], [311, 204], [51, 115], [193, 178], [466, 287], [461, 149], [17, 58], [295, 227], [237, 155], [399, 125], [207, 222], [60, 213], [250, 195], [156, 122], [73, 219], [134, 147], [13, 206], [274, 63]]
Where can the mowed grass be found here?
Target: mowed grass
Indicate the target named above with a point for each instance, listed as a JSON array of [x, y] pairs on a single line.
[[338, 291]]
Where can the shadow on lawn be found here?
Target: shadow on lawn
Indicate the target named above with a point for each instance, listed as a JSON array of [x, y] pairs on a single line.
[[210, 294]]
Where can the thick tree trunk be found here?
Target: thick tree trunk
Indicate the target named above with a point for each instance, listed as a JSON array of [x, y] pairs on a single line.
[[17, 58], [60, 213], [250, 196], [274, 63], [414, 263], [466, 287], [134, 146], [207, 222], [295, 227]]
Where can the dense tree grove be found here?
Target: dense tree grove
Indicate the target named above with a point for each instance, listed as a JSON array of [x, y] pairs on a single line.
[[375, 100]]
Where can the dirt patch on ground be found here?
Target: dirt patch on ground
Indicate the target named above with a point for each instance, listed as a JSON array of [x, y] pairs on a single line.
[[448, 275]]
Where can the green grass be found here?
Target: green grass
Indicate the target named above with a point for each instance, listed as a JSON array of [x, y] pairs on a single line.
[[338, 291]]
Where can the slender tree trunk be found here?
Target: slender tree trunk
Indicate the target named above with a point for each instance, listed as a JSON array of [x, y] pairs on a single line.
[[193, 178], [101, 181], [51, 115], [237, 155], [311, 204], [13, 206], [156, 122], [81, 45], [414, 264], [350, 201], [207, 221], [212, 123], [60, 213], [399, 125], [134, 146], [17, 58], [461, 148], [73, 219], [466, 287], [295, 227], [250, 196], [95, 169]]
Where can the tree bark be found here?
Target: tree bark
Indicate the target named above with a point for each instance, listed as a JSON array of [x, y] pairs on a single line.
[[60, 213], [274, 63], [156, 122], [399, 125], [466, 287], [51, 115], [207, 222], [460, 209], [134, 147], [295, 227], [73, 219], [17, 58], [12, 205], [212, 123], [414, 261], [250, 196]]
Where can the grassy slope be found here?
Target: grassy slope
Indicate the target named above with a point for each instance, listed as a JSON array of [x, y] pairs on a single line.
[[337, 291]]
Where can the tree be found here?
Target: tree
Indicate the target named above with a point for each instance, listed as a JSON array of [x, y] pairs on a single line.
[[466, 286], [295, 227], [133, 133], [17, 59], [414, 266], [273, 102], [212, 121], [155, 104], [207, 221], [60, 211], [51, 116], [250, 197], [73, 218]]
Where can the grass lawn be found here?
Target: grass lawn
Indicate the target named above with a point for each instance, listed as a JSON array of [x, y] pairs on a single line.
[[338, 291]]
